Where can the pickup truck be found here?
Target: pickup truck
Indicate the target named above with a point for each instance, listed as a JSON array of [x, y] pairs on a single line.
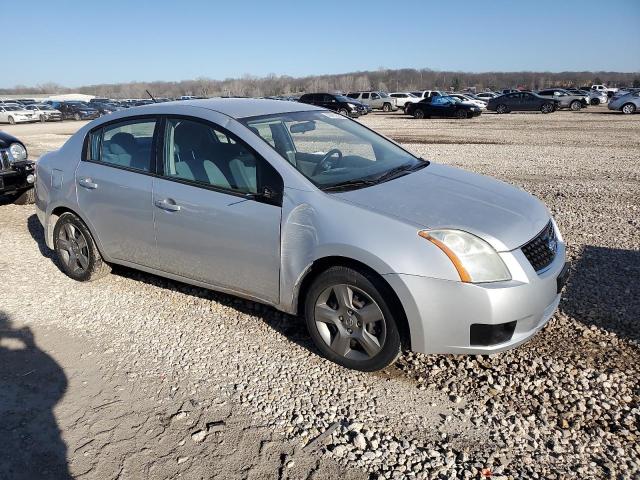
[[610, 91]]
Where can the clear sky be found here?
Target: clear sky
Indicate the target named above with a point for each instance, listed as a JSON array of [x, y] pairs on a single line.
[[84, 42]]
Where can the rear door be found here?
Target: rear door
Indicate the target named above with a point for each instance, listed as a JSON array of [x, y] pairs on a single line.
[[113, 184], [212, 223]]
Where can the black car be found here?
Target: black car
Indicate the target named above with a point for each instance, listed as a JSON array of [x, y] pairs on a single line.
[[442, 106], [104, 107], [17, 172], [522, 102], [76, 110], [330, 101]]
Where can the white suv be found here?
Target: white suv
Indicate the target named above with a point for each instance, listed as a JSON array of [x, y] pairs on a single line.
[[404, 98]]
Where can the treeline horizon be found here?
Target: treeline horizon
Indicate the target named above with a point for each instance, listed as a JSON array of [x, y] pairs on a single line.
[[389, 80]]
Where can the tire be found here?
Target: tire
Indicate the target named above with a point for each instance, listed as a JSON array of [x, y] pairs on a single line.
[[628, 108], [386, 107], [12, 121], [26, 197], [462, 114], [595, 101], [502, 108], [42, 119], [575, 105], [343, 111], [418, 113], [76, 116], [337, 328], [547, 108], [72, 242]]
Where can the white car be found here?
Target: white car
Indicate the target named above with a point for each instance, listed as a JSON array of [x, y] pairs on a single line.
[[427, 93], [402, 98], [466, 98], [486, 95], [14, 113], [44, 112]]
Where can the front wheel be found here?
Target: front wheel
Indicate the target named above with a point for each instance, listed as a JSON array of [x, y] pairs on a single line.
[[575, 105], [12, 121], [76, 116], [418, 113], [43, 118], [76, 250], [349, 319], [628, 108], [343, 111], [386, 107], [547, 108], [461, 114], [595, 101]]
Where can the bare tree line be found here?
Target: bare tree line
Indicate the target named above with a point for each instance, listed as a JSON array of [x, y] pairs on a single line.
[[381, 79]]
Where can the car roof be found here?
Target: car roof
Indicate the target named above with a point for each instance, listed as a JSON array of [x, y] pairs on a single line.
[[243, 107]]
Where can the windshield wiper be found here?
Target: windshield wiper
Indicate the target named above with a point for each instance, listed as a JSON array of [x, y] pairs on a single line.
[[400, 171], [349, 184], [367, 182]]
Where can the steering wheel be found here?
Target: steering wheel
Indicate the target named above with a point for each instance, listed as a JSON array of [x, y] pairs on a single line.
[[326, 163]]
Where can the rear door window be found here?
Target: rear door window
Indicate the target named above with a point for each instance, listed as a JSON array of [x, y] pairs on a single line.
[[126, 144]]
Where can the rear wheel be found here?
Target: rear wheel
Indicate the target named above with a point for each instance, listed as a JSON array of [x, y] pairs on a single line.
[[502, 109], [575, 105], [26, 197], [76, 250], [547, 108], [628, 108], [418, 113], [349, 319]]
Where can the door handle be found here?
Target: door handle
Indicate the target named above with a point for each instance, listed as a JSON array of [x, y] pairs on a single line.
[[167, 204], [86, 182]]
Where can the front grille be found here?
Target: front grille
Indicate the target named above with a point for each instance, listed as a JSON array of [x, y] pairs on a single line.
[[4, 160], [542, 249]]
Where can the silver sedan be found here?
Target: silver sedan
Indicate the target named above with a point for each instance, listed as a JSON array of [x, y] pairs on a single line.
[[311, 212]]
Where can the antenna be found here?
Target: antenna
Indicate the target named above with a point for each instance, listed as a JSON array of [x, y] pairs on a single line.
[[149, 93]]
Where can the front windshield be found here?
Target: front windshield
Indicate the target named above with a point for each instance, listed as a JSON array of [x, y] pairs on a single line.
[[342, 98], [330, 149]]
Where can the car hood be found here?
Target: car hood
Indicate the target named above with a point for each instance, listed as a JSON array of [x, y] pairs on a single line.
[[440, 196], [6, 139]]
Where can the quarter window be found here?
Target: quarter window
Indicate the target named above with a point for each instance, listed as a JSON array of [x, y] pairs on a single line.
[[197, 152]]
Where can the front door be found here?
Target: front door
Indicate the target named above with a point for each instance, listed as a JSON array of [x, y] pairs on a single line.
[[114, 184], [211, 223]]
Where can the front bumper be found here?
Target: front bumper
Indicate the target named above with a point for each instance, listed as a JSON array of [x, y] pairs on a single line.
[[444, 316], [15, 180]]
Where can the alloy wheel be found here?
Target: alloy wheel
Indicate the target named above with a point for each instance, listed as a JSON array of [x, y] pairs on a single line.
[[350, 322], [547, 108], [418, 113], [501, 109], [628, 108], [73, 248]]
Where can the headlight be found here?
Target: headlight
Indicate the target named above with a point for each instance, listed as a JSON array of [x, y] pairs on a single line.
[[18, 152], [475, 260], [351, 105]]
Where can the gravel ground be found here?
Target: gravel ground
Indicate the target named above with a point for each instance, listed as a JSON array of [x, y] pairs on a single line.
[[564, 405]]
